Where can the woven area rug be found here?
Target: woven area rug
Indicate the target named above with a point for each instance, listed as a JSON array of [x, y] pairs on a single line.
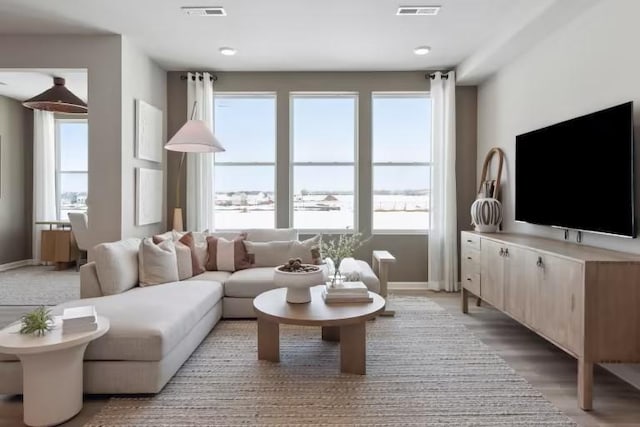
[[38, 285], [423, 368]]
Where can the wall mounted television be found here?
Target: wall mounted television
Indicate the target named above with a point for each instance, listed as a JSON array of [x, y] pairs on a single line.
[[579, 174]]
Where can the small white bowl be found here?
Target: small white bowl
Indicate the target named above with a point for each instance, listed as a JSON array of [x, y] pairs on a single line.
[[298, 283]]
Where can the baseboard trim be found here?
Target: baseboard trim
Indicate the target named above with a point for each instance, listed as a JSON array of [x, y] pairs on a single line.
[[17, 264], [407, 286]]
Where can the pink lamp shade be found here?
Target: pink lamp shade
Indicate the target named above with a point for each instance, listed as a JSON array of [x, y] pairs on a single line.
[[194, 137]]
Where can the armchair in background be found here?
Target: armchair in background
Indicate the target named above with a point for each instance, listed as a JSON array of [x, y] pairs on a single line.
[[80, 230]]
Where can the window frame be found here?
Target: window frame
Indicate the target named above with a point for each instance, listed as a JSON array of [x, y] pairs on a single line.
[[250, 94], [374, 164], [59, 171], [292, 163]]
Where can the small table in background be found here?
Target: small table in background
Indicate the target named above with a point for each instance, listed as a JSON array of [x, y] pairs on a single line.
[[58, 245], [51, 370]]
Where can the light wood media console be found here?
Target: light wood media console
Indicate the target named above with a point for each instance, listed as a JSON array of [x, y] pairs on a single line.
[[583, 299]]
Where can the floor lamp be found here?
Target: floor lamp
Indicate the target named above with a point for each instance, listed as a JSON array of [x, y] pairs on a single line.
[[193, 137]]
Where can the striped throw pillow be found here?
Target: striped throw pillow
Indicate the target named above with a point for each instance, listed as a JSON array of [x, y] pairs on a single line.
[[227, 255]]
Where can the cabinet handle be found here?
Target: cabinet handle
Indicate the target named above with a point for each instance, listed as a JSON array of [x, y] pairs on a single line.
[[468, 257], [469, 241], [468, 279], [501, 252], [539, 263], [506, 252]]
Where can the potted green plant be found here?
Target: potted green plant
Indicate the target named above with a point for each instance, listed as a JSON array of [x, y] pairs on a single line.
[[37, 322], [340, 248]]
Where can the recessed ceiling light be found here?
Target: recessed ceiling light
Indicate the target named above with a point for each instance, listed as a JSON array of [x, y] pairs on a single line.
[[422, 50], [228, 51], [418, 10], [203, 11]]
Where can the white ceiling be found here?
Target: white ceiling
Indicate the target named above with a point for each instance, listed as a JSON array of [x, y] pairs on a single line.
[[279, 35], [24, 84]]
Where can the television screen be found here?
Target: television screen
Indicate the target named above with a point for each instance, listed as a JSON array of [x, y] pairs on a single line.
[[579, 174]]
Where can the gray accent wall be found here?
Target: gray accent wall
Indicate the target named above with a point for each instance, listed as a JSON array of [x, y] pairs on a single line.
[[588, 65], [15, 182], [141, 79], [410, 250]]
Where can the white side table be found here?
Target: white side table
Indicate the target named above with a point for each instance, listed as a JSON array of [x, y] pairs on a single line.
[[51, 370]]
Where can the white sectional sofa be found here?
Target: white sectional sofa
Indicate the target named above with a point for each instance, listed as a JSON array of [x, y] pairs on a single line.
[[155, 329]]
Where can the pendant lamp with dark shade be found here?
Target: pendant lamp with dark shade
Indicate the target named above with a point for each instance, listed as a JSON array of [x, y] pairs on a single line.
[[193, 137], [58, 99]]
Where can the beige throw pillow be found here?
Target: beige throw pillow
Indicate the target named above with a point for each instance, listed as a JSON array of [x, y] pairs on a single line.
[[271, 254], [268, 254], [183, 254], [157, 263], [117, 265], [307, 250]]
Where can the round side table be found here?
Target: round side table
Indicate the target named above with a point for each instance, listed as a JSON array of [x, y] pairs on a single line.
[[51, 370]]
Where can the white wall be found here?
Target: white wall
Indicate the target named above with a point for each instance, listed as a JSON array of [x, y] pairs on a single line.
[[141, 79], [100, 55], [589, 65]]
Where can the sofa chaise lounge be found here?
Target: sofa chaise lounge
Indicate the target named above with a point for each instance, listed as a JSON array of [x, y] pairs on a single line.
[[155, 329]]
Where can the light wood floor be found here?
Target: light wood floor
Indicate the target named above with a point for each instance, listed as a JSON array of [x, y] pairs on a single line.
[[548, 369]]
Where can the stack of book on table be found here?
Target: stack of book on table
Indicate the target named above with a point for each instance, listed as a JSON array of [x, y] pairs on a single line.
[[79, 319], [346, 292]]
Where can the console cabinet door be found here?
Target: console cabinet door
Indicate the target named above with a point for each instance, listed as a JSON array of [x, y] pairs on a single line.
[[492, 273], [558, 302], [520, 280]]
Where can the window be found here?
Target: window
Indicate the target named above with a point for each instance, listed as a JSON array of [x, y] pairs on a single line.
[[72, 147], [245, 124], [323, 138], [401, 161]]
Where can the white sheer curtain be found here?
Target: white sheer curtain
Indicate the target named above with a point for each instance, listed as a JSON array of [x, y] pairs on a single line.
[[44, 174], [200, 191], [443, 234]]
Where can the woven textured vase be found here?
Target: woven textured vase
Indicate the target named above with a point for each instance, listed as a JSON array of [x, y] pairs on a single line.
[[486, 214]]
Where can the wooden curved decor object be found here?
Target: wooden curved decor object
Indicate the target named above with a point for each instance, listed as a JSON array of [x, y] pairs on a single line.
[[491, 187]]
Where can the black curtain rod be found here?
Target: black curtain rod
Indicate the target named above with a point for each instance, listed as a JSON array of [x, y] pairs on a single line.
[[213, 77], [445, 75]]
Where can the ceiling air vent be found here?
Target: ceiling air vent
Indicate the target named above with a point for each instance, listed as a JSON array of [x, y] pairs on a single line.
[[204, 11], [418, 10]]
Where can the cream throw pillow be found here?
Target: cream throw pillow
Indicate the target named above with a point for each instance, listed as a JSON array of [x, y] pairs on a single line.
[[117, 265], [268, 254], [271, 254], [157, 263], [305, 250]]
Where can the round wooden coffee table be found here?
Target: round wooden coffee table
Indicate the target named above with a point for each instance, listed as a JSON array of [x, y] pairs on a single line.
[[344, 322], [51, 370]]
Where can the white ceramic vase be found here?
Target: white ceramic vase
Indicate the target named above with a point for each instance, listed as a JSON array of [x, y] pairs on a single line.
[[298, 284], [486, 214]]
